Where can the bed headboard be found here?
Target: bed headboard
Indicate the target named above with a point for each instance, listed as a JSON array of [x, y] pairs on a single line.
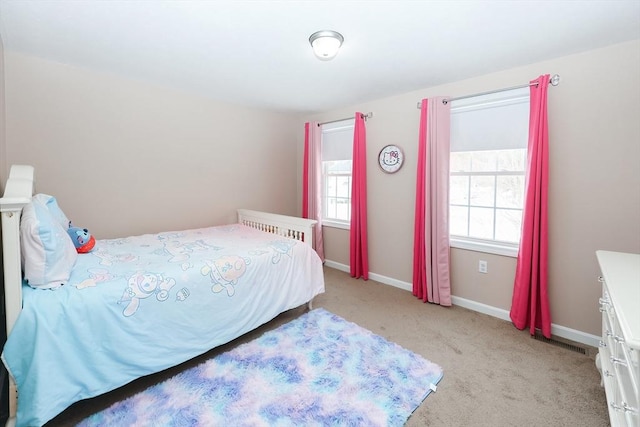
[[17, 193], [282, 225]]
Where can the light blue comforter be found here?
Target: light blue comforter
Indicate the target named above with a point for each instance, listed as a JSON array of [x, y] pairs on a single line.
[[139, 305]]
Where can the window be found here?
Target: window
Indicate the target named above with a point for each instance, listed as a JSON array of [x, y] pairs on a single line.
[[487, 171], [337, 153]]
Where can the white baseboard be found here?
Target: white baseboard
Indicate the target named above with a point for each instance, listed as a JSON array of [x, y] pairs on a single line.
[[373, 276], [556, 330]]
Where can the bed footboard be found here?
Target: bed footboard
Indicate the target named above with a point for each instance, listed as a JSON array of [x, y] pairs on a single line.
[[288, 226]]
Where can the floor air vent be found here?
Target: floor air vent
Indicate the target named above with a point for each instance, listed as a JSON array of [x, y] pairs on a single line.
[[538, 335]]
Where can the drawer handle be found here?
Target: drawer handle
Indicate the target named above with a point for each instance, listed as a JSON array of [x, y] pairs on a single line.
[[602, 344], [604, 301], [618, 339], [624, 407], [628, 408], [607, 373], [600, 279], [615, 360]]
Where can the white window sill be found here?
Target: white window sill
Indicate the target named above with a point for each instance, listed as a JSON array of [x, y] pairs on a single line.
[[484, 246], [335, 224]]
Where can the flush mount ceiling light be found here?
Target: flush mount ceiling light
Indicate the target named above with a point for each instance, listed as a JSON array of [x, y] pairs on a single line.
[[326, 44]]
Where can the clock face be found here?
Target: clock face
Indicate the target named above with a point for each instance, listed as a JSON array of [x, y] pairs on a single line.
[[391, 158]]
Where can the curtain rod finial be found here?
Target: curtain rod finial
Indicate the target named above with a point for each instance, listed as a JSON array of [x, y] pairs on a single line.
[[555, 80]]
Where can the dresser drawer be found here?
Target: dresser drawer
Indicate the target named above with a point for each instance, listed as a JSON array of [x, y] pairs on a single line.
[[618, 356]]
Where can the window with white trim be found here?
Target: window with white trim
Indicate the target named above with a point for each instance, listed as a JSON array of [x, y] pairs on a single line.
[[337, 156], [487, 171]]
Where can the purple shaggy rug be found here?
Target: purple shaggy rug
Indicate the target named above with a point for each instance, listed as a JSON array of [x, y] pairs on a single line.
[[317, 370]]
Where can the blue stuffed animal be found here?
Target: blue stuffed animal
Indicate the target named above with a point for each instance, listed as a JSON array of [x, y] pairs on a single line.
[[82, 239]]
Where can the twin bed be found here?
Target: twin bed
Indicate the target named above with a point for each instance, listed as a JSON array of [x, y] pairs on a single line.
[[138, 305]]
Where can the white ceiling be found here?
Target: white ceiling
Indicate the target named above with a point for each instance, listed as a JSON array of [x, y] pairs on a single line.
[[257, 52]]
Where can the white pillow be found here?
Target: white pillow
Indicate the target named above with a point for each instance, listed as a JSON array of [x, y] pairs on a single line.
[[54, 209], [48, 253]]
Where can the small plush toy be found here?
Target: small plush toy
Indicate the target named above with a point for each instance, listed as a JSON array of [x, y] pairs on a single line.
[[82, 239]]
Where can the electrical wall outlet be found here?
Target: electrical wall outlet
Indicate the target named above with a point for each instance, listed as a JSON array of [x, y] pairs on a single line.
[[482, 266]]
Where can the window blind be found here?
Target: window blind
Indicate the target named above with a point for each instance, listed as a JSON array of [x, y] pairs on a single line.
[[337, 140], [498, 121]]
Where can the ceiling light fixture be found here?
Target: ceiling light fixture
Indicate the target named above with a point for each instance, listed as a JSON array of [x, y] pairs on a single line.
[[326, 44]]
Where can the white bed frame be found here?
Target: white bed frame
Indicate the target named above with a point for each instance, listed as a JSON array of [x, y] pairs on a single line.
[[18, 192]]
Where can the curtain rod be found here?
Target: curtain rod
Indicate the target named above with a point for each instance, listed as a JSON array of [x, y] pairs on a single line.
[[364, 116], [555, 80]]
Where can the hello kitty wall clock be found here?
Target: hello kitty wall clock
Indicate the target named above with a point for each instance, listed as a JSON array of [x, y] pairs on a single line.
[[390, 158]]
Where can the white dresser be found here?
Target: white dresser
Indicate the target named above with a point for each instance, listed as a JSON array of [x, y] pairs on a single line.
[[618, 358]]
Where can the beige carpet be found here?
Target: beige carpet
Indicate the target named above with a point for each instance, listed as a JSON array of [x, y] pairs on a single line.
[[494, 374]]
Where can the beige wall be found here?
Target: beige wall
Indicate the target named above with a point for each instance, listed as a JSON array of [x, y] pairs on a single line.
[[594, 192], [124, 157]]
